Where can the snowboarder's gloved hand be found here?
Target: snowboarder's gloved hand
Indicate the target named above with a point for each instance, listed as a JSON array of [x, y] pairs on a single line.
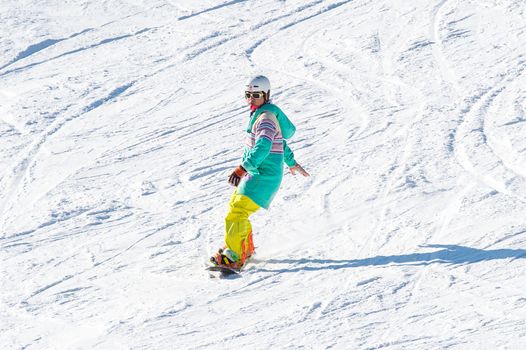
[[299, 169], [236, 175]]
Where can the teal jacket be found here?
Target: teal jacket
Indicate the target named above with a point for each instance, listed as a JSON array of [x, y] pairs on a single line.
[[265, 152]]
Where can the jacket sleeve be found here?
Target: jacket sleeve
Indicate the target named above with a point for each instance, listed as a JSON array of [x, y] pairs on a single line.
[[264, 134], [288, 155]]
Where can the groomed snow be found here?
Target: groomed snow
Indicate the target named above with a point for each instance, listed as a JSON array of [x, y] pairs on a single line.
[[121, 120]]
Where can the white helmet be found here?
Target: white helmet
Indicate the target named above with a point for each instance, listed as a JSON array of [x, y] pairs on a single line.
[[258, 83]]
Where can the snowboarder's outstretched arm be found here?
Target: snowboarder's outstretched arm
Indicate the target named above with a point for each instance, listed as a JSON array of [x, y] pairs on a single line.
[[291, 162]]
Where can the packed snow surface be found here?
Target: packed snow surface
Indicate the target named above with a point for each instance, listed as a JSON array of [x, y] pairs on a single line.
[[120, 122]]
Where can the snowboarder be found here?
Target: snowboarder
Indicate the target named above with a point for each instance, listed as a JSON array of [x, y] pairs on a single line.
[[258, 178]]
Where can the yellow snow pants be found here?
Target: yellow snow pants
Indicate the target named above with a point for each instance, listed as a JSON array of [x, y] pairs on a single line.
[[238, 229]]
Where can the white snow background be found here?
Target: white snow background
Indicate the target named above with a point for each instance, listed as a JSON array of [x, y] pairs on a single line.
[[120, 122]]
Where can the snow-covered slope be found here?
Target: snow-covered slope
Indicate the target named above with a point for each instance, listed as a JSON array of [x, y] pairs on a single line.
[[120, 121]]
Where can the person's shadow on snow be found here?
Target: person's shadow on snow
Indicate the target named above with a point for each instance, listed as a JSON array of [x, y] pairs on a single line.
[[448, 254]]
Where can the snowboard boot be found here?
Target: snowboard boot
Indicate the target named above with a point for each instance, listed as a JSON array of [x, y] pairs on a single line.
[[226, 257]]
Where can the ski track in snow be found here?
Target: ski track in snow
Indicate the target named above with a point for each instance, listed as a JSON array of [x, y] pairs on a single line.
[[119, 128], [19, 174]]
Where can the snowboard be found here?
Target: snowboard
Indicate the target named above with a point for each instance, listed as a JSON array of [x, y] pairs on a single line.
[[223, 271]]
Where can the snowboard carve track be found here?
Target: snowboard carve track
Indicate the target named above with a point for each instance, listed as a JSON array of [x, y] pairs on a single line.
[[18, 180], [471, 135], [473, 114], [444, 67], [40, 46], [511, 158]]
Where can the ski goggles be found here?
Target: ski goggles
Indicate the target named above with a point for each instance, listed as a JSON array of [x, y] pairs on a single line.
[[249, 94]]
